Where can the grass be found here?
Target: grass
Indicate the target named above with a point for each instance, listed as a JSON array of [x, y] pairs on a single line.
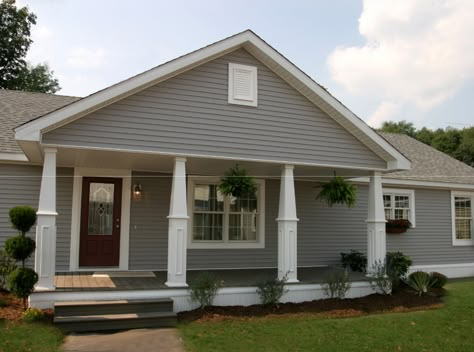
[[22, 337], [450, 328]]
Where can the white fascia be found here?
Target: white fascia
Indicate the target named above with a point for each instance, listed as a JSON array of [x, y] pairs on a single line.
[[414, 183]]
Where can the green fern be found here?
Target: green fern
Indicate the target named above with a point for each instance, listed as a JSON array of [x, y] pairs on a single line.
[[236, 182], [338, 191]]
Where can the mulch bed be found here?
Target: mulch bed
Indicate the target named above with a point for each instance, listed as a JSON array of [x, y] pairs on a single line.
[[13, 310], [403, 300]]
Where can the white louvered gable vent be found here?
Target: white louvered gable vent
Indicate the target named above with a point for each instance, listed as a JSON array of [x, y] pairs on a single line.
[[242, 84]]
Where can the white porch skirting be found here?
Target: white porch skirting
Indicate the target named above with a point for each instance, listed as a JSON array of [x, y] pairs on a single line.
[[450, 270], [227, 296]]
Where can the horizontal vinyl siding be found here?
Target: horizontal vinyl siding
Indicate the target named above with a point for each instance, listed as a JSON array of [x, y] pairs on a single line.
[[190, 114], [20, 185], [431, 241], [148, 222], [324, 232]]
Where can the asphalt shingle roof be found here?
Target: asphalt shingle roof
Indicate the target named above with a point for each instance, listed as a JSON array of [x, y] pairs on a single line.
[[17, 107], [428, 164]]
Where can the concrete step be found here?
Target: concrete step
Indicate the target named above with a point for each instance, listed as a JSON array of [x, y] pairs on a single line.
[[104, 322], [86, 308]]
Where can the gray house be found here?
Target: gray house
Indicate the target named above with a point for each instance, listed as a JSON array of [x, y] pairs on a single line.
[[124, 181]]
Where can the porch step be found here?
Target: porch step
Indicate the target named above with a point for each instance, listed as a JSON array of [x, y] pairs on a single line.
[[79, 308], [84, 316]]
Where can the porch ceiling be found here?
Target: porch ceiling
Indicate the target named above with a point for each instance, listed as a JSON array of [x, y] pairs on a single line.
[[87, 158]]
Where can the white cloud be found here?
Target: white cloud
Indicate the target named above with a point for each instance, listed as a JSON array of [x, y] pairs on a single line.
[[85, 58], [417, 53]]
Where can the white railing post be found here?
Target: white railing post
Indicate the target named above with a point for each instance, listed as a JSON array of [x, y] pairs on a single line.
[[178, 227], [45, 254], [287, 227]]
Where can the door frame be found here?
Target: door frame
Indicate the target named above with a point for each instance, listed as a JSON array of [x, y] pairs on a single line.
[[126, 176]]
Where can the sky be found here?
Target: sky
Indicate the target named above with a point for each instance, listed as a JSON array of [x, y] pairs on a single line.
[[385, 60]]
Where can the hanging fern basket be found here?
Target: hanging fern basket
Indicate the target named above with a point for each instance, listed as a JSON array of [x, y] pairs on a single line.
[[338, 191], [237, 183]]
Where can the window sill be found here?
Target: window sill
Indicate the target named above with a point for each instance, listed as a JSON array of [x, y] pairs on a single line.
[[225, 245], [460, 243]]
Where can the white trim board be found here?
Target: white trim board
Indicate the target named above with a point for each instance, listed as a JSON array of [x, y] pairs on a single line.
[[126, 176], [227, 296], [13, 157], [415, 183], [450, 270], [33, 130]]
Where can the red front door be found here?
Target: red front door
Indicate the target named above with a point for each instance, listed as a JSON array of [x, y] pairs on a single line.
[[100, 221]]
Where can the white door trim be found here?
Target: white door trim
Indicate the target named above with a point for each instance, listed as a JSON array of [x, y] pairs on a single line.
[[126, 176]]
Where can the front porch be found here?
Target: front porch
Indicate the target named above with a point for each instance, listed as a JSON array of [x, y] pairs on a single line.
[[123, 281], [239, 287]]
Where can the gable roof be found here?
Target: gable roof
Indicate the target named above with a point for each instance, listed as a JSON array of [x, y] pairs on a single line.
[[428, 164], [18, 107], [32, 130]]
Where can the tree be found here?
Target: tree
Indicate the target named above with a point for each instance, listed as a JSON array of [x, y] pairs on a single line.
[[465, 151], [447, 140], [403, 127], [15, 41]]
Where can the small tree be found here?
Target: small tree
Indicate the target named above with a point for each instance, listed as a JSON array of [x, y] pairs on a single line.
[[21, 281]]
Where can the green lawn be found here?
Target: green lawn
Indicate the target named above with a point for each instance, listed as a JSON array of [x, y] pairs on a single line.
[[22, 337], [450, 328]]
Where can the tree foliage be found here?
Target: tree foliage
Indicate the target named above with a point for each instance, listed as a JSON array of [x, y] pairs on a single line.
[[15, 40], [458, 143]]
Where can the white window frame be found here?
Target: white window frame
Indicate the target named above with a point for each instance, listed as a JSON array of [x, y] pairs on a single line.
[[232, 99], [225, 243], [457, 242], [411, 201]]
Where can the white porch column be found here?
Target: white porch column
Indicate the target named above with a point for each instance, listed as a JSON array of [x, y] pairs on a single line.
[[287, 226], [376, 241], [45, 254], [178, 227]]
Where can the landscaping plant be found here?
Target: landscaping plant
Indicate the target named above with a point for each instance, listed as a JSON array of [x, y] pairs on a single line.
[[237, 183], [338, 191], [356, 260], [420, 282], [33, 315], [270, 291], [21, 281], [7, 265], [204, 289], [379, 279], [337, 284], [397, 267], [438, 280]]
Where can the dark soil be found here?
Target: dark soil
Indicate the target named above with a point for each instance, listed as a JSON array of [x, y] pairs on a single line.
[[11, 308], [403, 300]]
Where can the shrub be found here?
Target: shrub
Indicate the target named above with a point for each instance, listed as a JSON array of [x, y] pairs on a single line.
[[33, 314], [379, 279], [270, 291], [420, 282], [397, 267], [21, 283], [3, 303], [20, 247], [337, 284], [7, 265], [356, 260], [204, 289], [22, 218], [438, 280]]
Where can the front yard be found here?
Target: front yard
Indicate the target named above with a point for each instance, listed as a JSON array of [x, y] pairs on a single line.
[[450, 328]]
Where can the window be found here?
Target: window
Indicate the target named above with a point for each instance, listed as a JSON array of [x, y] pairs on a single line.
[[219, 221], [242, 84], [399, 204], [462, 215]]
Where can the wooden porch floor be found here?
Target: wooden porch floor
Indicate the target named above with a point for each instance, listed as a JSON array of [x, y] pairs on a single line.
[[118, 281]]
